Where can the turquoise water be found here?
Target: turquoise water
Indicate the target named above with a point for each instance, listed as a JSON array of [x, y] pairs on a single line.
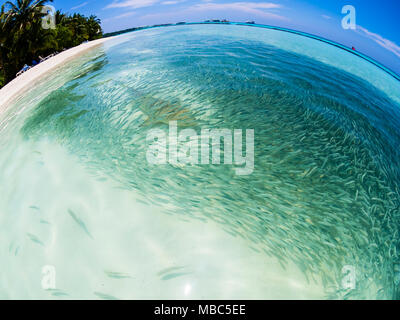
[[78, 193]]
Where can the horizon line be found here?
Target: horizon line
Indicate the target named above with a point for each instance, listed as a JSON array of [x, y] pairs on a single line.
[[257, 25]]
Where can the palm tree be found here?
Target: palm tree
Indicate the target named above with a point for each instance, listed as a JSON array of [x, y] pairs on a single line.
[[60, 17], [4, 19], [26, 12], [5, 29], [3, 35], [93, 27], [22, 37], [25, 35]]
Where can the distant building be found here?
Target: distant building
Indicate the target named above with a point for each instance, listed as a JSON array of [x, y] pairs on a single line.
[[250, 22]]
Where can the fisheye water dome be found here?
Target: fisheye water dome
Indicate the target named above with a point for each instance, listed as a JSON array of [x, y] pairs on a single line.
[[317, 217]]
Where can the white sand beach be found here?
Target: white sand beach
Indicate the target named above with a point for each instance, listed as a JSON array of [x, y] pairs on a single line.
[[23, 82]]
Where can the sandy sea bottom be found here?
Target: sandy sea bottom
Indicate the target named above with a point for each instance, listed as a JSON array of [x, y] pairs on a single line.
[[78, 194]]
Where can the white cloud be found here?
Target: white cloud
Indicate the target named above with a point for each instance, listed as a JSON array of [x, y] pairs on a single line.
[[326, 17], [124, 15], [383, 42], [134, 4], [80, 5], [234, 5], [251, 9], [169, 2], [255, 8]]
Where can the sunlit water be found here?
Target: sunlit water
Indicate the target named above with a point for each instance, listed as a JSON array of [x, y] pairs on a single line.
[[77, 193]]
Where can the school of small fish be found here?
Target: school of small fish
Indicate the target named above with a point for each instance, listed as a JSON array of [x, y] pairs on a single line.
[[325, 189]]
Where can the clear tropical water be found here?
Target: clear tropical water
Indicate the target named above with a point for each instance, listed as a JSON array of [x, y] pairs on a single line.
[[77, 193]]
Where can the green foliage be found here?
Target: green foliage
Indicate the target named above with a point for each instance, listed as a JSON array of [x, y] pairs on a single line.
[[22, 38]]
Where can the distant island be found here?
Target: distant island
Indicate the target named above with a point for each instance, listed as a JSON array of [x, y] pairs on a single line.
[[116, 33], [25, 43]]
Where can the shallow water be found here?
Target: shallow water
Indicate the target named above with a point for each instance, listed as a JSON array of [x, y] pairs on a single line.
[[77, 192]]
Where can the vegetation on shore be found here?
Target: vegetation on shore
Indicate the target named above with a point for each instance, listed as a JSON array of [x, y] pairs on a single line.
[[23, 39]]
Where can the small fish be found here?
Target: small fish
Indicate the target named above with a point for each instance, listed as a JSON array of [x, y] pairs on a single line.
[[79, 222], [57, 292], [174, 275], [142, 201], [34, 239], [116, 275], [229, 232], [105, 296], [164, 271]]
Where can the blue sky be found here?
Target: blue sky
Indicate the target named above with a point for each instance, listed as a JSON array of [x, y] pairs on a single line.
[[377, 33]]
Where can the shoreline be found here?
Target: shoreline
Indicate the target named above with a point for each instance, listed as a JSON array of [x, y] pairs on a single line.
[[22, 83]]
